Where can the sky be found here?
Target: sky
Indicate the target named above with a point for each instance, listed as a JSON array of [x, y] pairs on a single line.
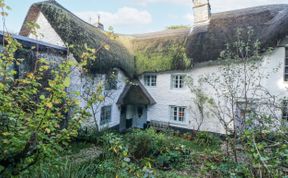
[[131, 16]]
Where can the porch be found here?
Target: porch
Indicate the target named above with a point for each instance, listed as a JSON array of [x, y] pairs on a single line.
[[134, 103]]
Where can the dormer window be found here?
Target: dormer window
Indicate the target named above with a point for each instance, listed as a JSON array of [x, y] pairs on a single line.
[[150, 80], [286, 66], [111, 80]]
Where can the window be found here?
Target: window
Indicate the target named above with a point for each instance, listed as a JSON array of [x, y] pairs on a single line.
[[178, 113], [178, 81], [111, 80], [285, 110], [150, 80], [105, 114], [286, 66], [246, 111]]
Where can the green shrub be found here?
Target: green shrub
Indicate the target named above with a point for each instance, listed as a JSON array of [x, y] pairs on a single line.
[[207, 139]]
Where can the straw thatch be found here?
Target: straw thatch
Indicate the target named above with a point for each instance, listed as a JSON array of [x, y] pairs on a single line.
[[155, 52], [270, 24], [75, 31]]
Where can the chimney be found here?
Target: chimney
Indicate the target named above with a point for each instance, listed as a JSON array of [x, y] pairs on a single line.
[[99, 25], [202, 12]]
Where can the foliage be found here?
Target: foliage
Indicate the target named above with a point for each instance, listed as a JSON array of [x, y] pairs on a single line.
[[170, 156], [207, 139], [33, 112], [38, 116], [173, 58]]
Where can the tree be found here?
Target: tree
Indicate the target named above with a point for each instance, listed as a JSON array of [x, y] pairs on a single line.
[[35, 104], [245, 108], [32, 111], [201, 103]]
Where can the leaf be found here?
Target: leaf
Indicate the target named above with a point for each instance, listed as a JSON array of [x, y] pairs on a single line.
[[49, 105], [67, 82], [42, 97], [47, 130], [5, 133], [107, 47]]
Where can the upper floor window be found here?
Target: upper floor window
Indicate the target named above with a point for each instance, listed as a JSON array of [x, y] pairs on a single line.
[[111, 80], [105, 115], [285, 110], [177, 81], [150, 80], [286, 66], [177, 113]]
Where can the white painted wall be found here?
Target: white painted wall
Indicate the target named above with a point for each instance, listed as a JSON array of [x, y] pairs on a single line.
[[46, 32], [165, 96], [77, 85]]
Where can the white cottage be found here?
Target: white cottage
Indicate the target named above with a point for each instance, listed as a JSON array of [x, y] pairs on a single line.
[[150, 84]]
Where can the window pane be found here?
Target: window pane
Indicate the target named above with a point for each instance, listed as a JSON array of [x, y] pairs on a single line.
[[111, 80], [105, 114], [147, 80], [153, 80], [286, 77], [181, 114]]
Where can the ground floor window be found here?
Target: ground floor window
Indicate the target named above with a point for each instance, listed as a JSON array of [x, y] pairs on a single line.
[[177, 113], [285, 110], [105, 114]]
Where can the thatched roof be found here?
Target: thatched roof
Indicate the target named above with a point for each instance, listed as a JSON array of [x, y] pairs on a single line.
[[155, 52], [270, 24], [74, 31]]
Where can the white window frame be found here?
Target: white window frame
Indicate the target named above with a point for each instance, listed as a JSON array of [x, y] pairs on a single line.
[[175, 114], [286, 65], [177, 82], [150, 80], [106, 114]]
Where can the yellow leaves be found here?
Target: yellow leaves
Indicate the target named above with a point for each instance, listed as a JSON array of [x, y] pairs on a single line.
[[115, 150], [47, 130], [6, 141], [30, 75], [66, 82], [52, 83], [107, 47], [44, 68], [2, 86], [6, 134], [49, 105]]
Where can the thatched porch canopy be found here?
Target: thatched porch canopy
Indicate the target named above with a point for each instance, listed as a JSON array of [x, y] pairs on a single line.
[[135, 94]]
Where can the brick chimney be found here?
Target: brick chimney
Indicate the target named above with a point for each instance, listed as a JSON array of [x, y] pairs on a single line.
[[202, 12]]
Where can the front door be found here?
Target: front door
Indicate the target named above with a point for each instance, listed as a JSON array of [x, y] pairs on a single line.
[[140, 118]]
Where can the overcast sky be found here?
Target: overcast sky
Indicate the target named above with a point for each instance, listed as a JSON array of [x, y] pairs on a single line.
[[132, 16]]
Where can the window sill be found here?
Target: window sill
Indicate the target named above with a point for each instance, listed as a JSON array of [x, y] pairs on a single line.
[[177, 123]]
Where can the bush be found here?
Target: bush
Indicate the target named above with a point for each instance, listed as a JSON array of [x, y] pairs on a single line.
[[146, 143], [207, 139]]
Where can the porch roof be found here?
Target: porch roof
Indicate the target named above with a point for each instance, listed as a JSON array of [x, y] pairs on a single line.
[[135, 94]]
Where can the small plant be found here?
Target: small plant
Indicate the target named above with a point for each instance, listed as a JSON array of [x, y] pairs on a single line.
[[207, 139]]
